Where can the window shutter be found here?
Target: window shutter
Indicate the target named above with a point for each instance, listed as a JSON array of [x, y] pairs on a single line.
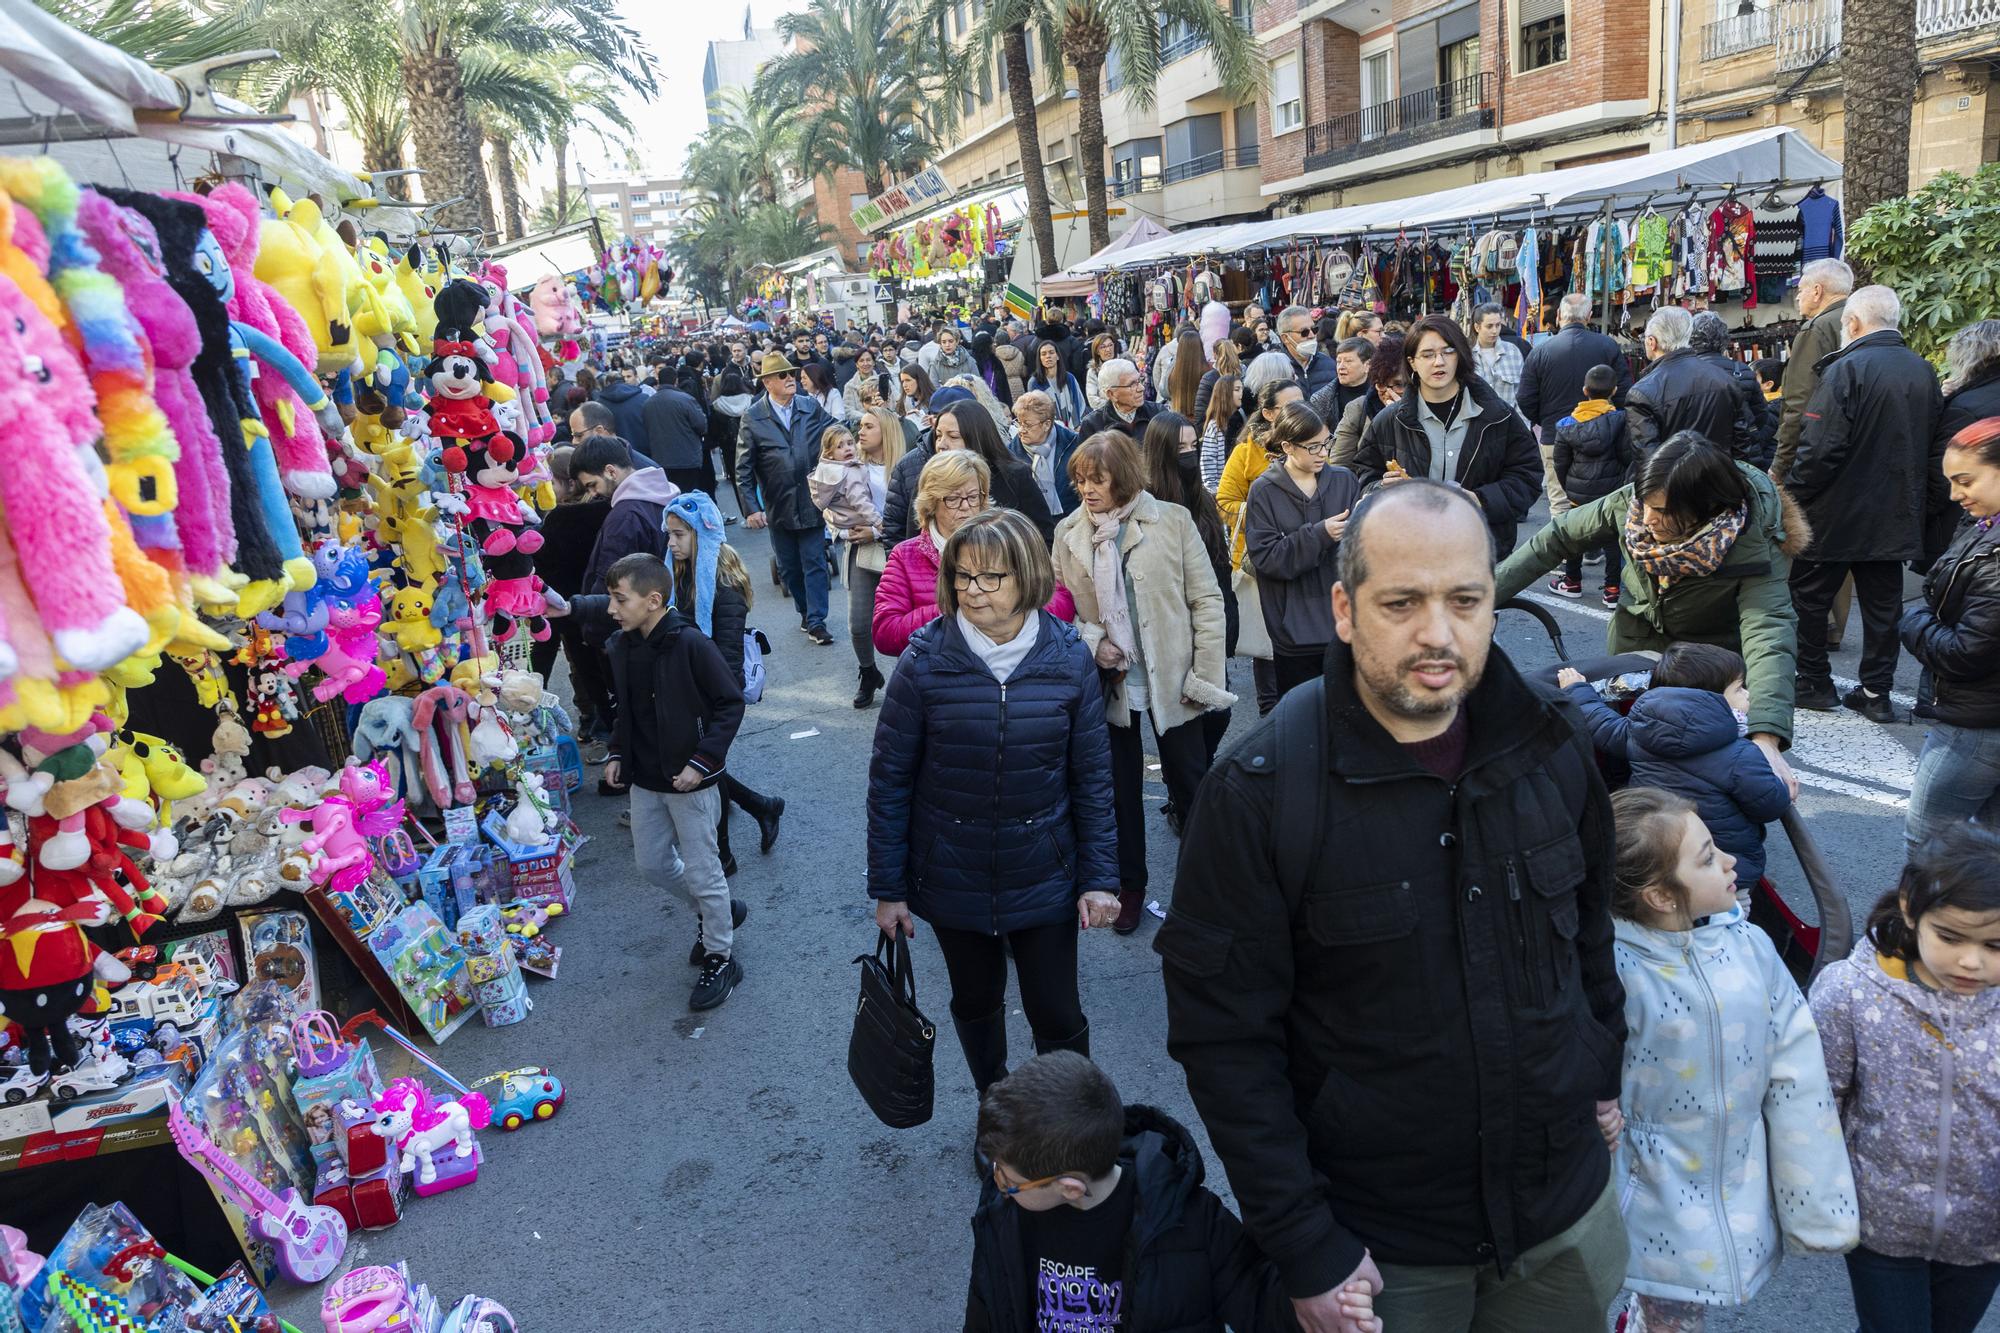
[[1535, 11], [1458, 25], [1417, 58]]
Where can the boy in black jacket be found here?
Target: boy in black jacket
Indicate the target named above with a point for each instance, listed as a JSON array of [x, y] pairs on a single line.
[[1592, 456], [678, 710], [1109, 1226]]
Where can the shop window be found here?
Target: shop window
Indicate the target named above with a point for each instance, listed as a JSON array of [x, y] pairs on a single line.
[[1287, 106]]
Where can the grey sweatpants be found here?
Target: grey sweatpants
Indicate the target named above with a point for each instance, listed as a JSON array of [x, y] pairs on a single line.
[[673, 840]]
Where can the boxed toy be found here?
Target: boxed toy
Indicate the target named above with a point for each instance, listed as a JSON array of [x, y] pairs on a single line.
[[279, 947], [538, 872], [424, 962]]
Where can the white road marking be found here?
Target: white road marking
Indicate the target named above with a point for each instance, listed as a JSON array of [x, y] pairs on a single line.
[[1840, 751]]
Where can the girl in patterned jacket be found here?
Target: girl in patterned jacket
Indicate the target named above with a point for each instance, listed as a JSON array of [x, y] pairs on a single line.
[[1731, 1141], [1911, 1022]]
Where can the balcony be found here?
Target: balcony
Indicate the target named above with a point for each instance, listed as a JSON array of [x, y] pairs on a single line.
[[1419, 117], [1736, 34], [1143, 183], [1187, 41], [1219, 160], [1808, 30], [1946, 18]]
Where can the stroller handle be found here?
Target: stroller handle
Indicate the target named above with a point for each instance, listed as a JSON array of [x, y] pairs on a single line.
[[1598, 668]]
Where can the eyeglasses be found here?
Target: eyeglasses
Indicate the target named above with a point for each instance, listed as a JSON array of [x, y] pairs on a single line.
[[1000, 1183], [985, 580], [963, 500], [1322, 447], [1438, 355]]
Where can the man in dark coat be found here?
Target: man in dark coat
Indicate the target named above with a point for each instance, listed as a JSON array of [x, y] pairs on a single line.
[[1552, 382], [1389, 967], [628, 405], [677, 427], [1823, 288], [777, 446], [1125, 407], [1867, 473], [1314, 368], [1684, 390], [1709, 339]]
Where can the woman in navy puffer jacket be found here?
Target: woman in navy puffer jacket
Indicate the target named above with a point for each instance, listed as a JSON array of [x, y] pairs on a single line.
[[989, 797]]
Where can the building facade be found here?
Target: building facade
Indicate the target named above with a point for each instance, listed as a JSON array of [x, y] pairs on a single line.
[[1751, 63], [644, 208], [734, 63], [1377, 99]]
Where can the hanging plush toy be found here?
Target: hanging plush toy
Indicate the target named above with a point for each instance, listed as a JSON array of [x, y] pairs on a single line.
[[289, 256], [460, 413], [500, 524]]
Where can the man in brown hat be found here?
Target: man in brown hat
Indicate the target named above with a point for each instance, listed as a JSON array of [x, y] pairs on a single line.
[[779, 446]]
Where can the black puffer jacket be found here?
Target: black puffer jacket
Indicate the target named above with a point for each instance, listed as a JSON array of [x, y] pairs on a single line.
[[1189, 1265], [1870, 464], [989, 805], [1690, 390], [1955, 632], [899, 507], [1592, 457], [1552, 375], [1499, 460], [1403, 1052], [1756, 449]]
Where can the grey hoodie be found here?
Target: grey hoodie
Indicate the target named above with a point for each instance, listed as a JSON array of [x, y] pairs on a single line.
[[1917, 1076]]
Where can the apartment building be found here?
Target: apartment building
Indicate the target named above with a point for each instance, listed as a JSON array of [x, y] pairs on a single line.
[[644, 208], [1378, 99], [1190, 158], [734, 63], [1745, 64]]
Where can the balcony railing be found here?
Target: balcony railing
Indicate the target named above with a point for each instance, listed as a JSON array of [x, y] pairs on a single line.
[[1219, 160], [1144, 183], [1434, 113], [1190, 41], [1942, 18], [1736, 34], [1807, 30]]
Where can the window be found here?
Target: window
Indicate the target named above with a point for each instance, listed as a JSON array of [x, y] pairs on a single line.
[[641, 197], [1114, 72], [1245, 131], [965, 104], [1287, 107], [857, 202], [958, 17], [1000, 72], [985, 84], [1375, 85], [1195, 145], [1544, 34], [1459, 61], [1011, 170]]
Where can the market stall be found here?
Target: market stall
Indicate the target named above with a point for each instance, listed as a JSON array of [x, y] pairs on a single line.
[[270, 756]]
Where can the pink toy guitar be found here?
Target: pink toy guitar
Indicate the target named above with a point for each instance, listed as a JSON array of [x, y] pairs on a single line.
[[306, 1239]]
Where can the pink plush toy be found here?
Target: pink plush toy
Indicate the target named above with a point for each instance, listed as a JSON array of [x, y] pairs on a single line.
[[52, 486], [296, 437], [130, 252]]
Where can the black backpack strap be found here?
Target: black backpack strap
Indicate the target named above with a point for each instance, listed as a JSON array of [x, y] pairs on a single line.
[[1299, 805]]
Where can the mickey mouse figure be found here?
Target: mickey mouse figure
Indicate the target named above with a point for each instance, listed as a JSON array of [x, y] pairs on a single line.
[[458, 372]]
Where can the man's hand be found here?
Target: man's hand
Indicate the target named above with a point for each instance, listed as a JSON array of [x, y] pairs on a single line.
[[858, 533], [755, 520], [687, 779], [614, 772], [1768, 743], [1347, 1308], [1610, 1123], [1569, 676], [1109, 656], [1337, 525]]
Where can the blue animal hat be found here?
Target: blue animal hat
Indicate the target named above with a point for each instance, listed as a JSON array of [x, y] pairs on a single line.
[[695, 509]]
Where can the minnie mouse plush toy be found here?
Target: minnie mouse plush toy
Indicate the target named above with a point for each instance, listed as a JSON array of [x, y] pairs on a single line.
[[459, 410], [502, 526]]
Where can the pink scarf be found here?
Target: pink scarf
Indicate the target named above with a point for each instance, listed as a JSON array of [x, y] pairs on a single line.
[[1107, 576]]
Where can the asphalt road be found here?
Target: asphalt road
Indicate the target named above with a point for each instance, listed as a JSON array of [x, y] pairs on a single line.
[[719, 1171]]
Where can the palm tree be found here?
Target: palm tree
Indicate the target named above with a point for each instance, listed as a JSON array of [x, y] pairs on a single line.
[[511, 98], [159, 32], [1880, 88], [590, 102], [354, 61], [763, 135], [856, 75]]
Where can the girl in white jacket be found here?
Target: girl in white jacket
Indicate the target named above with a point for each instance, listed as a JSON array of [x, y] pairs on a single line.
[[1731, 1139]]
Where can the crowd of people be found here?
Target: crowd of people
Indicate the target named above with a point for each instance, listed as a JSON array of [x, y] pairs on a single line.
[[1481, 1042]]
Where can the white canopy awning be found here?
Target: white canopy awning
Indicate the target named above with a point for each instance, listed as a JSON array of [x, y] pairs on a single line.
[[1079, 282], [1777, 154]]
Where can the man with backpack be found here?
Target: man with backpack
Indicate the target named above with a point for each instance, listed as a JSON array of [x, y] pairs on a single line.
[[1392, 918]]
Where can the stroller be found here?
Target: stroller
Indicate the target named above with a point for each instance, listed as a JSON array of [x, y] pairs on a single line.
[[1804, 946]]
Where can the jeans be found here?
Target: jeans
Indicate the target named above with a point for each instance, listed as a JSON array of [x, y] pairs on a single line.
[[673, 840], [1044, 964], [1183, 764], [802, 563], [1878, 586], [861, 585], [1958, 778], [1610, 553], [1563, 1285], [1918, 1295]]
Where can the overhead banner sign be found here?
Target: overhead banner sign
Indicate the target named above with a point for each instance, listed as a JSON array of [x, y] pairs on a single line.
[[922, 190]]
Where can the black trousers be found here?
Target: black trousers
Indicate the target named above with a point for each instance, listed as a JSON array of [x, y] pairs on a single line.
[[1183, 764], [589, 673], [1044, 965], [1878, 589], [1297, 668], [1264, 675]]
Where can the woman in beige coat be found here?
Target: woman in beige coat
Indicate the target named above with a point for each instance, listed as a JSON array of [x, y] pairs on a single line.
[[1150, 610]]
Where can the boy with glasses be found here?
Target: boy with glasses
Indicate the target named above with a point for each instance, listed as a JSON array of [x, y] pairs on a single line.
[[1096, 1209]]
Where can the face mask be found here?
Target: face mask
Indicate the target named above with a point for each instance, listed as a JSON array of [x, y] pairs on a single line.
[[1307, 347]]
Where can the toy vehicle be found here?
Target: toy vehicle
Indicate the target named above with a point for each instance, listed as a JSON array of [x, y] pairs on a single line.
[[21, 1084], [85, 1079], [521, 1095], [143, 959], [173, 995]]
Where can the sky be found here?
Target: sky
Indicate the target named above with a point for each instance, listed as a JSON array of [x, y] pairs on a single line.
[[678, 34]]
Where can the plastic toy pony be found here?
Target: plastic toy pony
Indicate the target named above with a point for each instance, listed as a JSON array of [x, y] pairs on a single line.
[[406, 1116]]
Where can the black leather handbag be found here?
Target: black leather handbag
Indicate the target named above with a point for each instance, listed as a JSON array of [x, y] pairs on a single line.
[[889, 1055]]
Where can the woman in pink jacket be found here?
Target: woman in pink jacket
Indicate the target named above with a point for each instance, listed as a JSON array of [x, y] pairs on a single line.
[[954, 485]]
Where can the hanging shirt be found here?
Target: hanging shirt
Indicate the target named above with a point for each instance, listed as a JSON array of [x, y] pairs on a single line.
[[1604, 255], [1528, 272], [1691, 250], [1732, 269], [1652, 254], [1819, 215]]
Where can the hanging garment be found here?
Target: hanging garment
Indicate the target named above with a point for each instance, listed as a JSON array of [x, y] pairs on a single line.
[[1776, 251], [1732, 267], [1819, 218], [1652, 252], [1528, 272], [1606, 272]]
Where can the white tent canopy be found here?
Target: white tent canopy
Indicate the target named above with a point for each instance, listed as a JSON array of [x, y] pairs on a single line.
[[1764, 156], [1077, 282]]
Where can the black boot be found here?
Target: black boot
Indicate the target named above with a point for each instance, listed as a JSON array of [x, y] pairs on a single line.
[[722, 842], [984, 1041], [767, 817], [871, 681], [1078, 1041]]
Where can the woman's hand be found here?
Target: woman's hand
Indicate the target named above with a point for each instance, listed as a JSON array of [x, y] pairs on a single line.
[[1096, 908], [895, 919], [1768, 743], [1610, 1123], [1109, 655], [1337, 525], [860, 534]]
